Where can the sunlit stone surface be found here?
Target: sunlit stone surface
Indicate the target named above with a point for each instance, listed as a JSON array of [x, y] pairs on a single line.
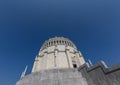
[[57, 53]]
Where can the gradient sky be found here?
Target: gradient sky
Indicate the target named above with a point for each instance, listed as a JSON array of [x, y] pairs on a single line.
[[93, 25]]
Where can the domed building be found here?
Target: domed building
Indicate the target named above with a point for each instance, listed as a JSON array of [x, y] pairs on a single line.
[[60, 63], [57, 53]]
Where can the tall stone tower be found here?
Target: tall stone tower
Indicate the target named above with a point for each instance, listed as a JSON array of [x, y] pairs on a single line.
[[57, 53], [60, 63]]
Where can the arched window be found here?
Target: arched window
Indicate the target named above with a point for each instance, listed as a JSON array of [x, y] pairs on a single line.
[[64, 42], [60, 41], [54, 42], [67, 43], [51, 42], [57, 41]]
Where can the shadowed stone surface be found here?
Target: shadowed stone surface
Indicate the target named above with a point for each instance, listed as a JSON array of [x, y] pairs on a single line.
[[100, 74]]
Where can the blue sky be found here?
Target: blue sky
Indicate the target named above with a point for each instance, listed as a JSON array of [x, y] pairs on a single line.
[[93, 25]]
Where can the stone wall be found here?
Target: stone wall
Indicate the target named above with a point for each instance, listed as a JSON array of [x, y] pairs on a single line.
[[100, 74], [54, 77], [52, 56], [56, 50]]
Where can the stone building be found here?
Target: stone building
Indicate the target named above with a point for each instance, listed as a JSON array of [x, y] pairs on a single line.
[[60, 63]]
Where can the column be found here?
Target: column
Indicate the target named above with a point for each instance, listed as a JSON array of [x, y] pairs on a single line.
[[68, 58]]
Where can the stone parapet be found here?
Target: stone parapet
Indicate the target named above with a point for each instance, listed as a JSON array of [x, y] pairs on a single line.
[[100, 74]]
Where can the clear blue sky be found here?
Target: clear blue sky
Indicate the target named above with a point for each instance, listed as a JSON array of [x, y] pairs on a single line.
[[93, 25]]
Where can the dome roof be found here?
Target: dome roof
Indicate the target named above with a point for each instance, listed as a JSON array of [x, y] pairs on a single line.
[[57, 41]]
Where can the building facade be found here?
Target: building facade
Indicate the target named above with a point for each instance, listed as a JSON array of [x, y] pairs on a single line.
[[58, 53], [60, 63]]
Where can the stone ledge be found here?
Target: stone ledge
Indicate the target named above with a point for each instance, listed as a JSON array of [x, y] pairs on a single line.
[[62, 70], [101, 65]]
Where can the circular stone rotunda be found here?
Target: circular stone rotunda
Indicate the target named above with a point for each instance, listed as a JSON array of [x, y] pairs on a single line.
[[60, 63]]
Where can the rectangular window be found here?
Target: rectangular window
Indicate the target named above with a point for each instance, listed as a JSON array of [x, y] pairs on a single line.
[[74, 66]]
